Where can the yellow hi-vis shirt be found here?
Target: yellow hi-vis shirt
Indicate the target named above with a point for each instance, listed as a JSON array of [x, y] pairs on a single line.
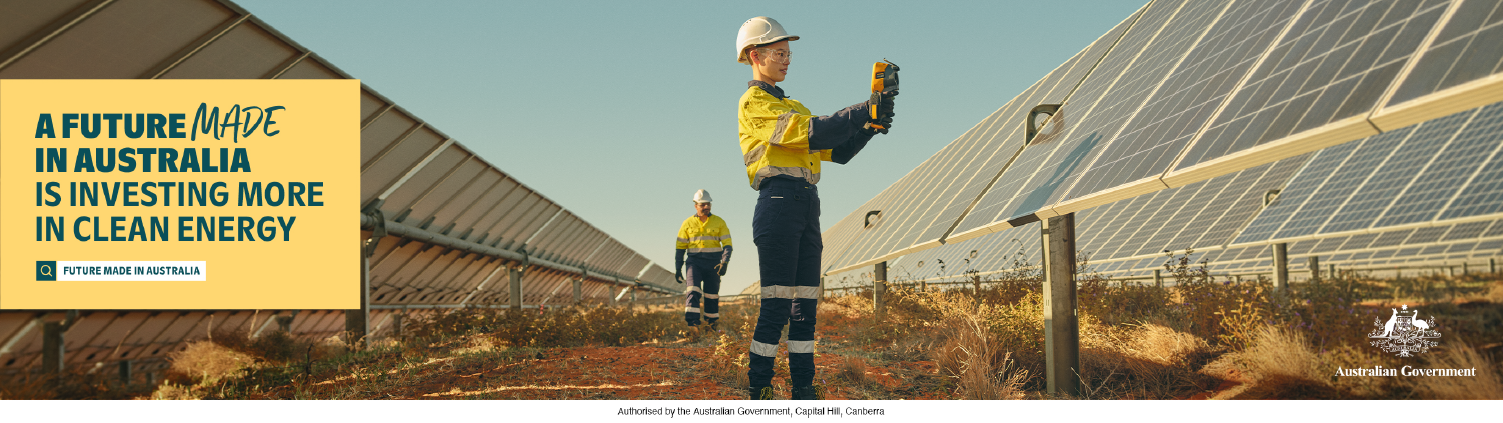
[[775, 138], [704, 240]]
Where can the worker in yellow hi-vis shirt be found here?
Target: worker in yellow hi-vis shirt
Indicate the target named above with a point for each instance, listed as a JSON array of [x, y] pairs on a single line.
[[707, 242], [782, 145]]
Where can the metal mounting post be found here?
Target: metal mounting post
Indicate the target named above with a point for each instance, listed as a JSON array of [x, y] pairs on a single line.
[[1158, 278], [578, 292], [1281, 268], [1061, 324], [54, 347], [357, 322], [879, 291], [125, 368], [1314, 268], [515, 297], [284, 323]]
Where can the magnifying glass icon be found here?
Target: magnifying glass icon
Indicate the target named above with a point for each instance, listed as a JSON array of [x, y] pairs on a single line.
[[46, 270]]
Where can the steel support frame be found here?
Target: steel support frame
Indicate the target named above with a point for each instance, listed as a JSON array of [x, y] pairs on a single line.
[[368, 221]]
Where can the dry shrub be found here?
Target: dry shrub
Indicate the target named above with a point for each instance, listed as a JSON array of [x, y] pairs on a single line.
[[1285, 367], [1149, 361], [205, 362], [1486, 384], [1168, 346], [276, 347], [975, 362], [1283, 353], [728, 362], [201, 364], [853, 370]]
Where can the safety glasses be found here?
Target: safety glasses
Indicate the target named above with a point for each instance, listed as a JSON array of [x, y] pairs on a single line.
[[779, 55]]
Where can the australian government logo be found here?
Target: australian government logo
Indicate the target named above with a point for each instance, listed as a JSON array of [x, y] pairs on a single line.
[[1405, 334]]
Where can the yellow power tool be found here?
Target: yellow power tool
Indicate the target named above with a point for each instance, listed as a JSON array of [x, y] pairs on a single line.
[[884, 81]]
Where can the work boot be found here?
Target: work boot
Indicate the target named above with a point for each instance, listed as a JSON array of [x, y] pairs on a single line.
[[811, 392], [760, 393], [714, 327]]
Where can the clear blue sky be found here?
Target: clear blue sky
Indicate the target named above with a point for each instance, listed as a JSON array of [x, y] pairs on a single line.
[[620, 110]]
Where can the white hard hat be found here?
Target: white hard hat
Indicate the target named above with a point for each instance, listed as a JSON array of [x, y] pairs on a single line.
[[758, 31], [701, 196]]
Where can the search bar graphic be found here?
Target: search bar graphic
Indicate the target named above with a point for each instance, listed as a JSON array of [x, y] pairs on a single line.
[[121, 271]]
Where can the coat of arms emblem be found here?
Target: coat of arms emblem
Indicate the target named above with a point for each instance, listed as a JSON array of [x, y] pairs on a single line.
[[1404, 333]]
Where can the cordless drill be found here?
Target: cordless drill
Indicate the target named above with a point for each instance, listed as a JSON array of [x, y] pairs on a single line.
[[884, 82]]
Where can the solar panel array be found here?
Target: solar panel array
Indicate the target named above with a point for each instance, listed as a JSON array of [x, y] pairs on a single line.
[[1362, 132], [412, 173]]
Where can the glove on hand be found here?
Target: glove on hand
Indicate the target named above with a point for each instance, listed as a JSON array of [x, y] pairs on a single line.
[[678, 275], [883, 102], [720, 268]]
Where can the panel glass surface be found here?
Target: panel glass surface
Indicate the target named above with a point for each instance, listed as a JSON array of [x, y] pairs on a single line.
[[1007, 134], [1421, 143], [1450, 170], [1302, 188], [1116, 88], [1465, 50], [1157, 132], [1334, 63]]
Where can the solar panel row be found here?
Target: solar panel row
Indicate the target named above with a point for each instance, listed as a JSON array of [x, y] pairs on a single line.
[[1221, 103]]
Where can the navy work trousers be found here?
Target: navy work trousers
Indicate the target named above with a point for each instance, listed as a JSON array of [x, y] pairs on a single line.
[[703, 282], [785, 228]]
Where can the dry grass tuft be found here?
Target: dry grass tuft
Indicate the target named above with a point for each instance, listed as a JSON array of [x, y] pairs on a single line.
[[205, 362], [1487, 384], [1167, 346], [1277, 352], [974, 361], [728, 362], [1285, 367], [853, 371], [202, 364]]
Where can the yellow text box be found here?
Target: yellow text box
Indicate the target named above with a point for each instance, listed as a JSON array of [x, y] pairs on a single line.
[[256, 179]]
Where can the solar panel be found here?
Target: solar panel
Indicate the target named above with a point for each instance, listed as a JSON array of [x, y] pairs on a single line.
[[1304, 186], [1052, 89], [1461, 60], [1132, 222], [1450, 170], [926, 203], [1193, 220], [1241, 208], [1116, 88], [1152, 234], [1318, 84], [1405, 160], [1251, 101], [1339, 185], [1154, 135], [848, 242]]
